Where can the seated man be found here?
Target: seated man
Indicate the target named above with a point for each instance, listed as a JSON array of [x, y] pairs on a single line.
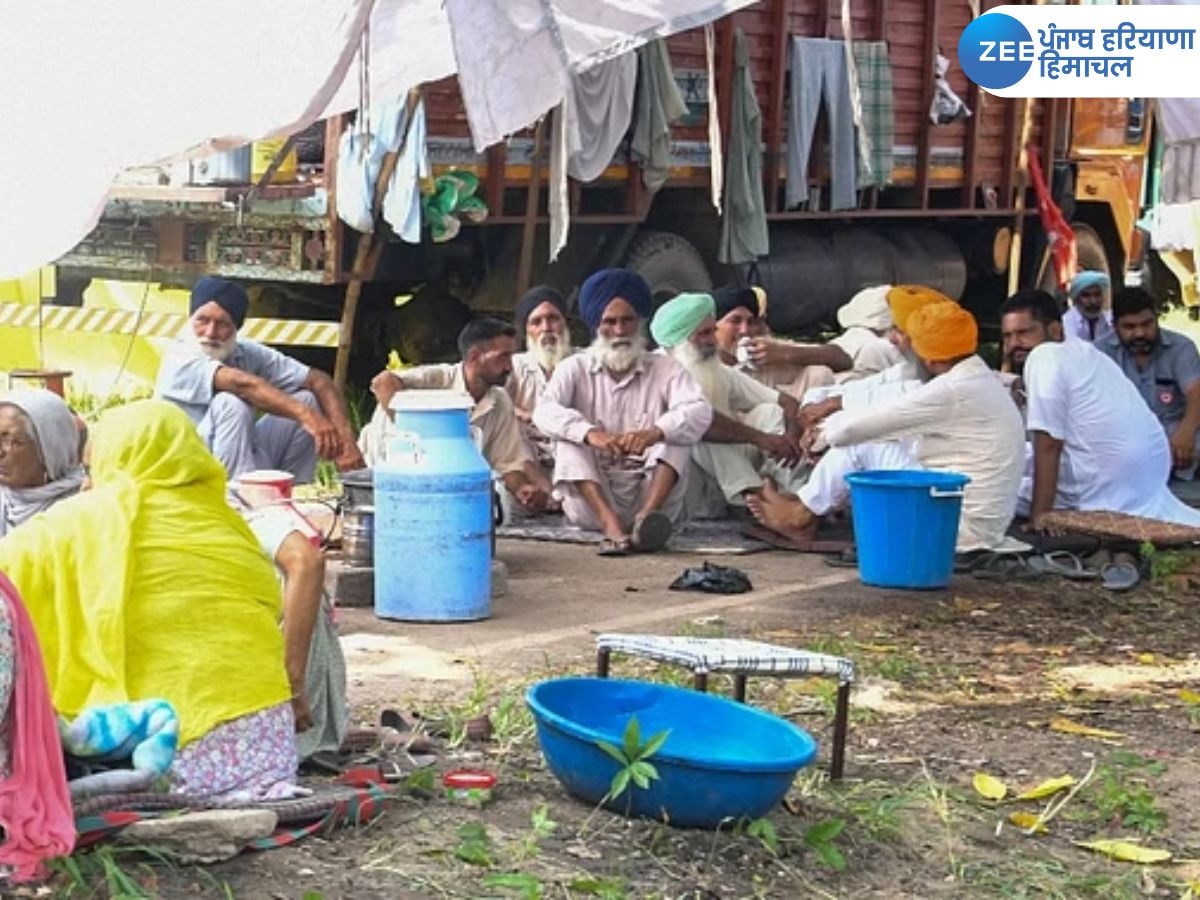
[[742, 315], [753, 431], [223, 383], [861, 350], [624, 420], [1165, 368], [541, 315], [962, 420], [487, 348], [909, 372], [1087, 319], [1096, 444]]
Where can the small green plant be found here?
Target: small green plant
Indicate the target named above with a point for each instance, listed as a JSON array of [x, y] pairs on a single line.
[[528, 887], [1120, 796], [421, 781], [474, 844], [603, 888], [820, 839], [512, 722], [1163, 563], [763, 830], [541, 826], [634, 759]]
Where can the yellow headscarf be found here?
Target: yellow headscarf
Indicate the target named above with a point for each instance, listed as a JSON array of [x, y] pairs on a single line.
[[905, 299], [943, 331], [150, 585]]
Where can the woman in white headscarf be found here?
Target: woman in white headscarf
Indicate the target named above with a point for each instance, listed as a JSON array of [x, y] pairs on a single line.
[[39, 455]]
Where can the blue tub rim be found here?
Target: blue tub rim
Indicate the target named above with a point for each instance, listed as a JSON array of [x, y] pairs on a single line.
[[806, 755], [908, 478]]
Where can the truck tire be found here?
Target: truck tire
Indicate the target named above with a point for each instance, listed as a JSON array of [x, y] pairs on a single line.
[[669, 263], [1089, 251]]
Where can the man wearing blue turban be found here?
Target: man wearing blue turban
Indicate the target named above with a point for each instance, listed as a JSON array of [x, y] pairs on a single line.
[[1087, 319], [624, 421]]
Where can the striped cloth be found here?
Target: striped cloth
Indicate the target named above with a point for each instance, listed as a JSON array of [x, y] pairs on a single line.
[[729, 655], [877, 99]]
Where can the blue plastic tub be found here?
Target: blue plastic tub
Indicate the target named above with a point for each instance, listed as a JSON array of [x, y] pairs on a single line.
[[906, 526], [722, 761]]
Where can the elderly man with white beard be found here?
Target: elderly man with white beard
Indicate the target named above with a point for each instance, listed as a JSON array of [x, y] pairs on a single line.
[[224, 383], [754, 432], [624, 420], [541, 315]]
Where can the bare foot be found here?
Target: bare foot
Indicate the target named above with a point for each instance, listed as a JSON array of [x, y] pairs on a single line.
[[782, 514]]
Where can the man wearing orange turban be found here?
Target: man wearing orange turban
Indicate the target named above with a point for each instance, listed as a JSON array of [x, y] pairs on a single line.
[[903, 300], [962, 420]]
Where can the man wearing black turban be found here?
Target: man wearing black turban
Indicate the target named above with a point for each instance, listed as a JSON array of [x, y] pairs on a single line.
[[224, 383], [541, 316], [624, 420]]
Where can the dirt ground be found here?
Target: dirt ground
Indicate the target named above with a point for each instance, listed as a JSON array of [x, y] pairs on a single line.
[[1000, 678]]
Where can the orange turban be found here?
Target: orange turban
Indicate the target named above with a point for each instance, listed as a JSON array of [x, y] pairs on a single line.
[[905, 299], [943, 331]]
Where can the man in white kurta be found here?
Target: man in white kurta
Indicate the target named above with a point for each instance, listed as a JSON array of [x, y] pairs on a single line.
[[962, 420], [624, 420], [1096, 445], [754, 431]]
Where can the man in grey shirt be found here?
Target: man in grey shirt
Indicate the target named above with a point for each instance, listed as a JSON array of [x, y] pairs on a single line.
[[1164, 366], [223, 383]]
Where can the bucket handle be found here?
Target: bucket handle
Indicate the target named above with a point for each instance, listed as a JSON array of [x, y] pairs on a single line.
[[939, 494]]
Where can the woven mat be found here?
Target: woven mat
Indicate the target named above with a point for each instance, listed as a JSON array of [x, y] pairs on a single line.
[[709, 536], [1122, 527]]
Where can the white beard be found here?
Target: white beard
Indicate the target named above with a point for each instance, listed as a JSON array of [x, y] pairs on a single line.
[[549, 351], [217, 350], [706, 368], [618, 355]]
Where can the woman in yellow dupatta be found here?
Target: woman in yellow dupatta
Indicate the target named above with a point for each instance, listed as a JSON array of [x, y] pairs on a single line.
[[150, 586]]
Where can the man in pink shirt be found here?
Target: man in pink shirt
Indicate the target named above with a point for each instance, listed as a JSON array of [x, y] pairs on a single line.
[[624, 421]]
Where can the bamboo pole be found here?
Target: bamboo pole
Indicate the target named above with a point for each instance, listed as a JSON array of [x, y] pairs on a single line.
[[364, 260], [1014, 253]]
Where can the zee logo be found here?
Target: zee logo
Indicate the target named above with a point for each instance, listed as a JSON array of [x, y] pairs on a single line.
[[1005, 51], [995, 51]]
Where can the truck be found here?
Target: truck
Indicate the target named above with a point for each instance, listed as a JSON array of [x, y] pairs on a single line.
[[954, 208]]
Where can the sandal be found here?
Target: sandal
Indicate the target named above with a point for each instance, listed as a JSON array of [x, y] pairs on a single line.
[[651, 533], [847, 559], [614, 547], [1004, 567], [1122, 574], [1064, 563]]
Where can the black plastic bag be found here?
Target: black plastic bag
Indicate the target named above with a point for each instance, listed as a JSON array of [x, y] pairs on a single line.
[[712, 579]]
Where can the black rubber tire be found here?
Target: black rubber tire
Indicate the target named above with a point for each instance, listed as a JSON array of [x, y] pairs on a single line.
[[669, 263], [1089, 250]]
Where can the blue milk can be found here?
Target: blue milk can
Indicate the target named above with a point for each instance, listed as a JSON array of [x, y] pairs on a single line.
[[433, 514]]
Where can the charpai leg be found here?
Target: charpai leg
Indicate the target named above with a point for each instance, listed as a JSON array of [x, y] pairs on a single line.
[[739, 687], [840, 722], [603, 656]]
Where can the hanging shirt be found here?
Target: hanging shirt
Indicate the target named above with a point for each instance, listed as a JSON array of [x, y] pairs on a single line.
[[1115, 454], [1173, 368], [1077, 327]]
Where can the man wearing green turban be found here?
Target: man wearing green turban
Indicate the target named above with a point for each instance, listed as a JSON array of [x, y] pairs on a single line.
[[754, 431]]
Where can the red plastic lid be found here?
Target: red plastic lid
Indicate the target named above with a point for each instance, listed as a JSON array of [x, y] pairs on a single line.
[[468, 779]]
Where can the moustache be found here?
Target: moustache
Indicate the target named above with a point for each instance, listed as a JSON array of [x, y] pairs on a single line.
[[1141, 345]]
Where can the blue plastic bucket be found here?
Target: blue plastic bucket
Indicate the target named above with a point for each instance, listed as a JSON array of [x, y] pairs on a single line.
[[906, 526]]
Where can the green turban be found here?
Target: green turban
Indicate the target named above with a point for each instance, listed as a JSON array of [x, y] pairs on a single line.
[[678, 319]]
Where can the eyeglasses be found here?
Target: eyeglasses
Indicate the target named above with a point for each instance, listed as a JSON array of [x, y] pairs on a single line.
[[11, 442]]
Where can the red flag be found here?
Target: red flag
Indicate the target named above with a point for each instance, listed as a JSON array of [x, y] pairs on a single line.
[[1059, 234]]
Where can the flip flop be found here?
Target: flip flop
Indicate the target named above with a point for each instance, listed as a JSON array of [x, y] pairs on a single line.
[[1003, 567], [611, 547], [779, 542], [847, 559], [1122, 574], [651, 533], [1064, 563]]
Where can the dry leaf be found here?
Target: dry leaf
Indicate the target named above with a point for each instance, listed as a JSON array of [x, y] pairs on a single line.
[[1146, 659], [1126, 851], [878, 648], [1189, 697], [988, 787], [1048, 787], [1025, 821], [1066, 726]]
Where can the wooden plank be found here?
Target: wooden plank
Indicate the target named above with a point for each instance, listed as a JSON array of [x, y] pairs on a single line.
[[494, 179], [335, 228], [879, 29], [774, 158], [1012, 134], [896, 213], [928, 85], [971, 146], [1050, 115], [532, 195]]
